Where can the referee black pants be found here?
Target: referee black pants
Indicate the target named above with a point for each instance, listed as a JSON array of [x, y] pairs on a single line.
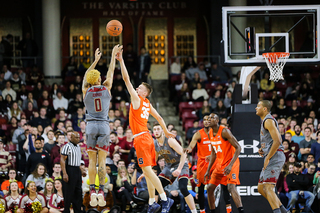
[[72, 191]]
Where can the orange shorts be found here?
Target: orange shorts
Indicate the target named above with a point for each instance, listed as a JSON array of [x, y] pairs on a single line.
[[202, 167], [145, 150], [217, 176]]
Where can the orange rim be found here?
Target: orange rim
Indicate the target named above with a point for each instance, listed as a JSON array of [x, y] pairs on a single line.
[[273, 57]]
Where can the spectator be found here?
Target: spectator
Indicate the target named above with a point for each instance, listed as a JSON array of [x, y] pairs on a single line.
[[128, 141], [29, 99], [206, 109], [70, 69], [306, 143], [76, 103], [193, 129], [199, 94], [255, 80], [297, 184], [14, 111], [20, 130], [310, 174], [44, 96], [54, 90], [55, 151], [71, 93], [315, 148], [294, 111], [39, 156], [35, 76], [175, 194], [13, 125], [131, 60], [7, 72], [202, 72], [22, 75], [61, 118], [76, 120], [50, 111], [22, 94], [281, 109], [213, 101], [175, 67], [305, 91], [281, 130], [297, 137], [29, 112], [16, 82], [310, 160], [56, 171], [42, 119], [115, 145], [183, 95], [123, 109], [190, 63], [82, 130], [220, 74], [144, 67], [287, 149], [5, 158], [221, 110], [31, 196], [60, 102], [183, 79], [28, 48], [51, 143], [117, 81], [38, 176], [293, 122], [119, 94], [292, 158], [37, 91], [9, 91], [22, 156], [266, 84], [228, 100], [124, 188]]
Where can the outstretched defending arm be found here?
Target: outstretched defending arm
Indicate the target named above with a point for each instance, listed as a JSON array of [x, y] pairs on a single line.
[[227, 135], [135, 100], [195, 138], [109, 78], [85, 85], [160, 120]]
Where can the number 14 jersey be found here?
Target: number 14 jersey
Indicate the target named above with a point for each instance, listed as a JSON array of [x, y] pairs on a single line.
[[138, 118]]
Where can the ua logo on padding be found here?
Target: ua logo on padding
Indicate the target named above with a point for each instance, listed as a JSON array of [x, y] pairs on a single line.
[[254, 146]]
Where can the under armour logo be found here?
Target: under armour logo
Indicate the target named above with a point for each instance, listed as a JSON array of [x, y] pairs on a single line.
[[254, 146]]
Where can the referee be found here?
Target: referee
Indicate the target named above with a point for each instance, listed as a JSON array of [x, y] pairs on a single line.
[[72, 181]]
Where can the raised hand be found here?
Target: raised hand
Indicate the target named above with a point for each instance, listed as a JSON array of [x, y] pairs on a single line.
[[97, 55]]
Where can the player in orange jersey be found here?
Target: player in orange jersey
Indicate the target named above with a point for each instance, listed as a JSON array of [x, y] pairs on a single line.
[[202, 140], [143, 143], [224, 156]]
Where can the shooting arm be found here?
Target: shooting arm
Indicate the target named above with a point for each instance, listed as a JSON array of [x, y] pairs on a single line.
[[85, 84], [226, 134], [112, 65], [176, 146], [271, 127]]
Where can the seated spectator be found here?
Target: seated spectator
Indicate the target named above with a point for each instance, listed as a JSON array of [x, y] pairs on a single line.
[[61, 118], [82, 130], [5, 158], [14, 111], [206, 109], [294, 111], [119, 94], [60, 102], [15, 82], [292, 124], [193, 130], [37, 91], [175, 194], [292, 158], [31, 195], [48, 189], [123, 109], [315, 148], [29, 99], [77, 118], [190, 63], [297, 184], [199, 94], [305, 144], [71, 93], [310, 160], [45, 134], [20, 130], [282, 130], [221, 110], [183, 94], [266, 84], [56, 201], [281, 109], [44, 96], [29, 112], [56, 171], [114, 162], [220, 74], [55, 151], [118, 116], [39, 156], [13, 125], [282, 187], [50, 143], [310, 173], [194, 81], [76, 103], [70, 69], [213, 101], [50, 111], [287, 149], [228, 100], [9, 91], [304, 91], [38, 176], [22, 94], [35, 76], [8, 101], [175, 67], [12, 173], [42, 119], [255, 80], [13, 196], [297, 138], [124, 188], [3, 105]]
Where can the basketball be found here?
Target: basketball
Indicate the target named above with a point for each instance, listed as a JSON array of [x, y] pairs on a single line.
[[114, 27]]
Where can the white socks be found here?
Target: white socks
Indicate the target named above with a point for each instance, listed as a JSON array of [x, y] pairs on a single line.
[[194, 211], [163, 196], [151, 201]]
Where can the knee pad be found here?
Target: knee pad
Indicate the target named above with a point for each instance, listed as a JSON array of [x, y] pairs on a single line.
[[183, 186], [164, 182]]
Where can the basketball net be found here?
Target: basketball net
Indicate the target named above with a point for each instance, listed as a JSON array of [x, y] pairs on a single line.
[[276, 62]]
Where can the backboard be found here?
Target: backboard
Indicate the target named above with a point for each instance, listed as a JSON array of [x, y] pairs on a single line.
[[249, 31]]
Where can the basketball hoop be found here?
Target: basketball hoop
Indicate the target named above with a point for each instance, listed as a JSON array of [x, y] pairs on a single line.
[[276, 62]]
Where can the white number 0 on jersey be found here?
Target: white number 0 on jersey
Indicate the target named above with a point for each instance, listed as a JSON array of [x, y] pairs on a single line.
[[145, 112]]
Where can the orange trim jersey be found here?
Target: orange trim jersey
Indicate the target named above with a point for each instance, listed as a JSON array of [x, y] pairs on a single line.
[[204, 146], [138, 118]]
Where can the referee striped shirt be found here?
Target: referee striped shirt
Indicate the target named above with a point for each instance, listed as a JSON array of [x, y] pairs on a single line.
[[73, 152]]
